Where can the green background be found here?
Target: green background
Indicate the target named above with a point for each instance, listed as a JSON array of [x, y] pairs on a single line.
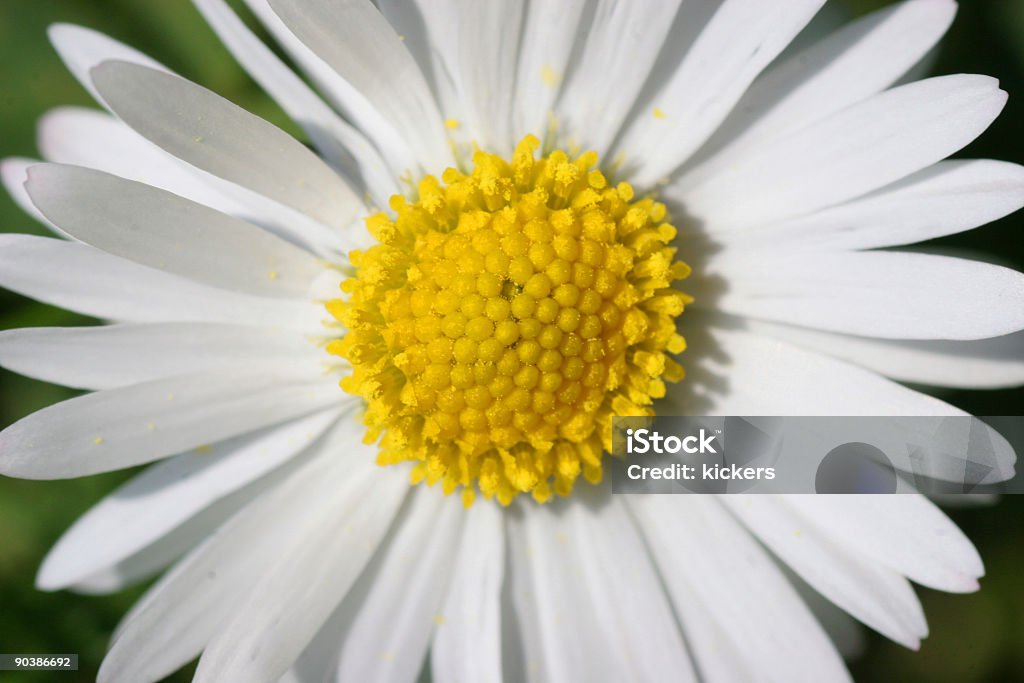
[[977, 637]]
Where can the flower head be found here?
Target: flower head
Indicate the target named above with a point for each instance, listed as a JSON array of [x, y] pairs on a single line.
[[506, 317], [485, 246]]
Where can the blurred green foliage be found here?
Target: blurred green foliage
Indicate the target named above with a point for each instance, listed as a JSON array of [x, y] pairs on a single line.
[[978, 637]]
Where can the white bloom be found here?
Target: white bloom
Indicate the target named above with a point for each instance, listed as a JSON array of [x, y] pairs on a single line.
[[210, 240]]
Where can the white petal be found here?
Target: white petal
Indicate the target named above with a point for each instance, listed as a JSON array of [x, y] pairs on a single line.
[[270, 630], [168, 494], [83, 279], [339, 92], [426, 27], [739, 372], [982, 364], [319, 661], [875, 594], [342, 146], [390, 633], [892, 295], [13, 174], [852, 152], [468, 50], [111, 356], [904, 532], [360, 45], [82, 48], [213, 134], [119, 150], [621, 44], [162, 230], [82, 137], [515, 666], [612, 554], [944, 199], [187, 607], [128, 426], [848, 634], [577, 558], [85, 137], [548, 39], [154, 558], [640, 623], [487, 38], [741, 616], [741, 38], [560, 641], [467, 644], [860, 59], [947, 198]]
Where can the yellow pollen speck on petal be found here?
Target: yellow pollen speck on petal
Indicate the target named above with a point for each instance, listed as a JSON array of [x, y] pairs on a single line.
[[549, 76], [272, 275], [659, 113], [205, 448], [504, 317], [451, 124], [98, 440], [439, 619]]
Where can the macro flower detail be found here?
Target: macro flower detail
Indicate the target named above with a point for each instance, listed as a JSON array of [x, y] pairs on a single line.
[[477, 255], [506, 317]]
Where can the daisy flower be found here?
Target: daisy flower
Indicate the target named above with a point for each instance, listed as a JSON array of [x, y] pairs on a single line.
[[376, 375]]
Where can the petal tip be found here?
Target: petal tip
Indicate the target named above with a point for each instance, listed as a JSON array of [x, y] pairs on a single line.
[[48, 579]]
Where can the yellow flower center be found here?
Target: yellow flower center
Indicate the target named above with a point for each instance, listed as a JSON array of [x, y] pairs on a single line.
[[505, 317]]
